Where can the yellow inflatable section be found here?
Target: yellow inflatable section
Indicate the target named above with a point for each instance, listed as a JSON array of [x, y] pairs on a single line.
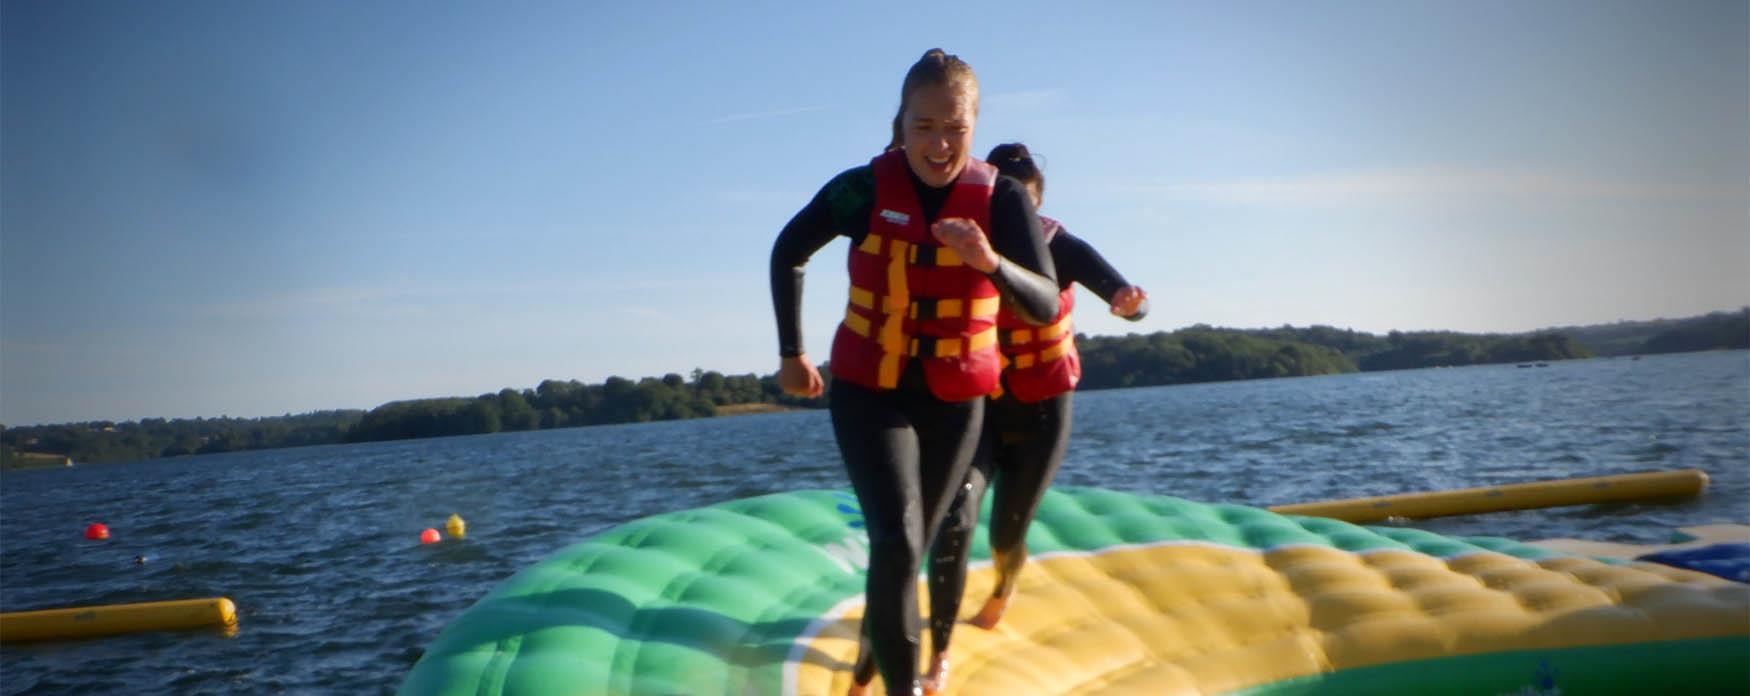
[[1204, 619], [1126, 594]]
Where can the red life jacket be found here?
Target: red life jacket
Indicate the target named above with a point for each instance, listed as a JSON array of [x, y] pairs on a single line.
[[1040, 362], [911, 297]]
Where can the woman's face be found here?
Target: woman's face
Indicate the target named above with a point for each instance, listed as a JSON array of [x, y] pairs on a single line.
[[938, 125]]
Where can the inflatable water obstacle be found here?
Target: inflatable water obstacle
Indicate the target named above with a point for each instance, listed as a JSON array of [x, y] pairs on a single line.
[[1681, 483], [117, 619], [1124, 594]]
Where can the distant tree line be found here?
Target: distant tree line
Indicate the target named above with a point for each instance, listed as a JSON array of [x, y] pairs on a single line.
[[108, 441], [1206, 354], [1200, 354], [1714, 331], [556, 404], [1406, 351], [552, 404], [1195, 354]]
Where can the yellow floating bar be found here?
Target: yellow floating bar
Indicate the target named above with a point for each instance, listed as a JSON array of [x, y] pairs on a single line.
[[86, 622], [1518, 496]]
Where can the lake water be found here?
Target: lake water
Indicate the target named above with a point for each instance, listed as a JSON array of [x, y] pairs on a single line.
[[319, 546]]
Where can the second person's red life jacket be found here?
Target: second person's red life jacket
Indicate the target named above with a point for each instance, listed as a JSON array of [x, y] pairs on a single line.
[[1041, 361]]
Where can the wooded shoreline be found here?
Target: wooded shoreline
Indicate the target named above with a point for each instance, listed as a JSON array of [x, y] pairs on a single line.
[[1191, 355]]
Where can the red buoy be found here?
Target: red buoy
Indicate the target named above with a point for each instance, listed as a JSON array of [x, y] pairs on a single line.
[[429, 536], [97, 531]]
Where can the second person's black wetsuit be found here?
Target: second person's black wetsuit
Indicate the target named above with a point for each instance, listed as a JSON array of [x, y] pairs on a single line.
[[1022, 447], [905, 450]]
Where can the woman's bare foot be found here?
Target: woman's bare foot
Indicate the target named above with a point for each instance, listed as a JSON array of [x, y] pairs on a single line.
[[936, 679], [992, 612]]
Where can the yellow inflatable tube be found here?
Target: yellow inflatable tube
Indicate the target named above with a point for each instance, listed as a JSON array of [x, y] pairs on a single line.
[[86, 622], [1518, 496]]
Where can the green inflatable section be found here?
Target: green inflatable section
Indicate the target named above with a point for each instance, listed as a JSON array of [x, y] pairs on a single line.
[[708, 600], [713, 600]]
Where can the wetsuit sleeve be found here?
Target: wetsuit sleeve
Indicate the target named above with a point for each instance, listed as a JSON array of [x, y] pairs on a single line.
[[1026, 277], [1078, 262], [832, 212]]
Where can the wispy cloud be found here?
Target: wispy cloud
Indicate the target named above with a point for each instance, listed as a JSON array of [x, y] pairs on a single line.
[[1426, 183], [410, 300], [326, 300], [761, 197], [646, 313], [1022, 100], [774, 113], [13, 349]]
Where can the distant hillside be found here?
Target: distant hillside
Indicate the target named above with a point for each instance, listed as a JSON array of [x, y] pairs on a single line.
[[552, 404], [1198, 353], [109, 441], [1208, 354], [1204, 353], [1715, 331]]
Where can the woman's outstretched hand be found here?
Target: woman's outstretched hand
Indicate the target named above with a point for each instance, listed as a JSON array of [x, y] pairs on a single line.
[[1128, 301], [797, 377], [966, 239]]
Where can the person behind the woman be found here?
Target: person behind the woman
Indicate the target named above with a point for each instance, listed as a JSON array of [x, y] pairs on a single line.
[[1025, 428], [937, 237]]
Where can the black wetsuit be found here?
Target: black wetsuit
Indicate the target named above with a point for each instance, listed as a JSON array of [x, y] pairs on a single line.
[[1022, 447], [905, 450]]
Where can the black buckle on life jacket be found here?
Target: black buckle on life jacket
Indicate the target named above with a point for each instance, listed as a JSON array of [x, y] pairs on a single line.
[[923, 255], [923, 308], [923, 346]]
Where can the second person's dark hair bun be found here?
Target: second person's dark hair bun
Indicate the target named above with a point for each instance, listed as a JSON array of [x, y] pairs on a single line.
[[1013, 159]]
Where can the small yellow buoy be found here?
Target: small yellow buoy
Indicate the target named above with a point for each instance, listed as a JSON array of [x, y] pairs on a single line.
[[456, 527]]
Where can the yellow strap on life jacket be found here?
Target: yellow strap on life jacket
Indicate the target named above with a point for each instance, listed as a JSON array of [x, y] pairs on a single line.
[[1021, 337], [940, 255], [1061, 328], [1026, 360], [893, 330], [952, 347], [982, 308], [866, 299], [857, 323], [943, 348]]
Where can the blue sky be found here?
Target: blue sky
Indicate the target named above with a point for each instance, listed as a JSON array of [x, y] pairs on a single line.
[[254, 208]]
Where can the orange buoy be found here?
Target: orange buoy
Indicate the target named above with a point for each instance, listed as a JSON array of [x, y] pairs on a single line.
[[429, 536], [97, 531]]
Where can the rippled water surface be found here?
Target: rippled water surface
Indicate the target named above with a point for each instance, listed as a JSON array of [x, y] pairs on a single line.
[[319, 546]]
